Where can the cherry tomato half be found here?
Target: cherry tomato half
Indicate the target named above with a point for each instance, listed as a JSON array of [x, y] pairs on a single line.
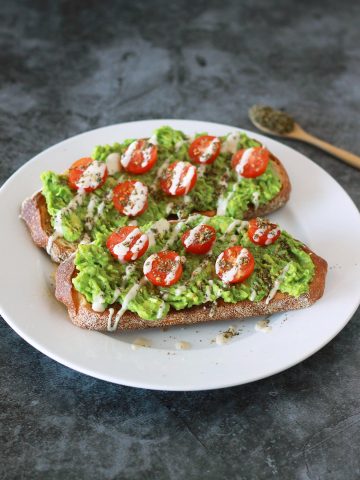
[[235, 264], [178, 179], [262, 232], [139, 157], [87, 174], [163, 269], [130, 198], [250, 162], [199, 240], [127, 244], [205, 149]]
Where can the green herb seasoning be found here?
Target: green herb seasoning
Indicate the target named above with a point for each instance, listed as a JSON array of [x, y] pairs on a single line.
[[274, 120]]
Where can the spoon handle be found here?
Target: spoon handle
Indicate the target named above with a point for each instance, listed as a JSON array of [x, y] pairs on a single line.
[[344, 155]]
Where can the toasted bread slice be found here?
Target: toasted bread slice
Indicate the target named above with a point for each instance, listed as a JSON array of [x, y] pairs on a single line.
[[82, 315], [34, 213]]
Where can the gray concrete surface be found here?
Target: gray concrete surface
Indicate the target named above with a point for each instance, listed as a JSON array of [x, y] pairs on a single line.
[[70, 66]]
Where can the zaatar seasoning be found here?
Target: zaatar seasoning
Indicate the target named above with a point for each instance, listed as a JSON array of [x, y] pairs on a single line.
[[274, 120]]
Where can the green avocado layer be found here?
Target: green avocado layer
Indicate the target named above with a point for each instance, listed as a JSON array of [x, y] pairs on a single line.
[[215, 181], [102, 276]]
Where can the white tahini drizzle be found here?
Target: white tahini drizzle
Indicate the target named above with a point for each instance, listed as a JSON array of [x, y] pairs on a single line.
[[161, 310], [224, 200], [128, 297], [174, 234], [229, 275], [113, 163], [153, 139], [193, 233], [243, 161], [209, 150], [231, 143], [98, 304], [277, 283], [252, 295], [92, 176], [121, 249], [50, 242], [146, 156], [158, 228], [255, 199], [75, 202], [137, 199], [90, 211], [270, 236], [148, 263], [178, 180], [174, 267], [138, 245], [126, 156]]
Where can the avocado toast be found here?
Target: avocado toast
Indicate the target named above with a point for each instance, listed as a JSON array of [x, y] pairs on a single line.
[[270, 272], [63, 214]]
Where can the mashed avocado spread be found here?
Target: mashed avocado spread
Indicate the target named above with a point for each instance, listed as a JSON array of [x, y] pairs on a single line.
[[102, 278], [217, 188]]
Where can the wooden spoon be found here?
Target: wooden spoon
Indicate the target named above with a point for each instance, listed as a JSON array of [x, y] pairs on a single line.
[[299, 134]]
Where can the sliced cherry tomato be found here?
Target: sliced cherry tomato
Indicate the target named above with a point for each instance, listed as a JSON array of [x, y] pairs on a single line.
[[199, 240], [250, 162], [130, 198], [178, 179], [262, 232], [205, 149], [235, 264], [127, 244], [139, 157], [87, 174], [163, 269]]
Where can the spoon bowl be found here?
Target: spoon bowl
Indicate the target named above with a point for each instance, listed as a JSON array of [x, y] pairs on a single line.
[[298, 133]]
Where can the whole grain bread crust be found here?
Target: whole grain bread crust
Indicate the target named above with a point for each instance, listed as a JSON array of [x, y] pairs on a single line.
[[82, 315], [34, 212], [36, 216]]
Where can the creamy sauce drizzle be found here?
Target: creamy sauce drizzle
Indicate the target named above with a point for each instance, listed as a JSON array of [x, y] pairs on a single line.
[[137, 199], [75, 202], [113, 163], [128, 297], [193, 232], [121, 249], [229, 275], [99, 304], [126, 156], [209, 150], [153, 139], [243, 161], [277, 283], [180, 181], [161, 310], [231, 143], [172, 273], [92, 176], [252, 295], [223, 201], [255, 199]]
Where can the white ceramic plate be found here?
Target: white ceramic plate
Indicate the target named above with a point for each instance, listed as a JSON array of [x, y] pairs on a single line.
[[319, 212]]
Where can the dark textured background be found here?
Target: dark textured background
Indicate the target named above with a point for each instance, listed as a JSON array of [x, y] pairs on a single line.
[[65, 69]]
